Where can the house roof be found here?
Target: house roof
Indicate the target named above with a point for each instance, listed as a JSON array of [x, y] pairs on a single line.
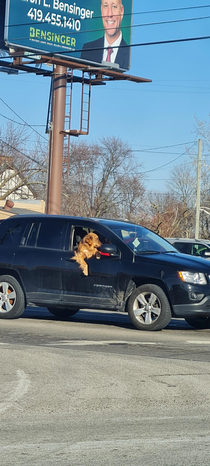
[[22, 207]]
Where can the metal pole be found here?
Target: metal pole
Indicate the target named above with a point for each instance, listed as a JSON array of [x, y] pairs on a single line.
[[56, 155], [197, 217], [49, 131], [47, 206]]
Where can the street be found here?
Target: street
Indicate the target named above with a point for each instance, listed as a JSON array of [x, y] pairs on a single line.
[[93, 390]]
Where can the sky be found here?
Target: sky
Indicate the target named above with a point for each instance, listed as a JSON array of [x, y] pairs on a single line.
[[156, 119]]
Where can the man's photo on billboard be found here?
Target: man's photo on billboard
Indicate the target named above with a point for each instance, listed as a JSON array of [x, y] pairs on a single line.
[[111, 46]]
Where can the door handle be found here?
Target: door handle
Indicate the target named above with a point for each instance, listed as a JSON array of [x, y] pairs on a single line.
[[70, 259]]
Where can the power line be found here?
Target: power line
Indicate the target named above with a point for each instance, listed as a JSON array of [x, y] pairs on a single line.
[[142, 44], [122, 27], [176, 86], [160, 153], [168, 163], [160, 91], [163, 147], [166, 179], [18, 123], [23, 120], [168, 10], [27, 156], [170, 153], [173, 145], [172, 9]]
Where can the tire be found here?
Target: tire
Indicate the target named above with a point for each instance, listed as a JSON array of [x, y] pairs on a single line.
[[12, 298], [149, 308], [63, 313], [198, 321]]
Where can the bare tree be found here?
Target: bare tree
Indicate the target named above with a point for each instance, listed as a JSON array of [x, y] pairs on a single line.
[[168, 217], [104, 180], [182, 184]]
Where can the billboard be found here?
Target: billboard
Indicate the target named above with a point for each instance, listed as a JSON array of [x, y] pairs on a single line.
[[91, 31]]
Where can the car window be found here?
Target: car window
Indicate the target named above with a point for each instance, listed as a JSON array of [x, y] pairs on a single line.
[[48, 234], [182, 247], [199, 249], [141, 240], [78, 233], [51, 234], [32, 232], [11, 233]]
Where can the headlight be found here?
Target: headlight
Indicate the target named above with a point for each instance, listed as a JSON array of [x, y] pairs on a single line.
[[191, 277]]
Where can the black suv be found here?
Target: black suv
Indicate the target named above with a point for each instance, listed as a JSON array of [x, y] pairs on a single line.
[[137, 272]]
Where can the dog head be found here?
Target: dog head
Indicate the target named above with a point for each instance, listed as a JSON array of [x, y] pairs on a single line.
[[92, 240]]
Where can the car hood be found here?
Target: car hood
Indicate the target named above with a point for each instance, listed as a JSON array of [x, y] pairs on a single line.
[[183, 261]]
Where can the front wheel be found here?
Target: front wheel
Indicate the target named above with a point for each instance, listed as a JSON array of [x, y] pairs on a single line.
[[12, 299], [63, 313], [149, 308], [198, 321]]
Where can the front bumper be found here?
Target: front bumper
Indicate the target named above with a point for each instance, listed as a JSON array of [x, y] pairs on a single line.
[[192, 309]]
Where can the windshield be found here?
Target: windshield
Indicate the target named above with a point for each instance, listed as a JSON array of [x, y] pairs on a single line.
[[141, 241]]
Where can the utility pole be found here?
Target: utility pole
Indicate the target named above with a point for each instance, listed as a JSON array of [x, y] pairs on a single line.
[[55, 170], [197, 217]]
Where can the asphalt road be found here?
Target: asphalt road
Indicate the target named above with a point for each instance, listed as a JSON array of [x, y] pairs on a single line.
[[93, 390]]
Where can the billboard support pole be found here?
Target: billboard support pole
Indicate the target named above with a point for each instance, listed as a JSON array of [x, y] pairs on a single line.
[[56, 147]]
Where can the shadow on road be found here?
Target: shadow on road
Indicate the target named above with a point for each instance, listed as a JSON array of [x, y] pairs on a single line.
[[98, 317]]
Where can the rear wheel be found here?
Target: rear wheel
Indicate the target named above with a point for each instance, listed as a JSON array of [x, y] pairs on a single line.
[[198, 321], [63, 313], [12, 299], [149, 308]]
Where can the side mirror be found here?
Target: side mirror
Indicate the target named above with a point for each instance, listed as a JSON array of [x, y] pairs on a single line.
[[109, 250], [207, 254]]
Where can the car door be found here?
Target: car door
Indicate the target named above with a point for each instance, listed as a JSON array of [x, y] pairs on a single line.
[[101, 287], [38, 260]]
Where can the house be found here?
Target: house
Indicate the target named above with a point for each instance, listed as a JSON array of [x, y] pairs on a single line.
[[12, 181], [17, 198]]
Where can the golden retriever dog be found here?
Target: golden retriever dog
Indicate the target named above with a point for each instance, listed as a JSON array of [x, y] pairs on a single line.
[[87, 248]]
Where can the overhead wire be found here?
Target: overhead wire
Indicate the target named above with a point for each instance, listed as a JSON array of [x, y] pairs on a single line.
[[142, 44], [156, 23], [23, 120], [22, 153], [164, 147], [17, 122], [172, 9], [140, 25], [166, 179], [168, 10], [168, 163], [155, 150]]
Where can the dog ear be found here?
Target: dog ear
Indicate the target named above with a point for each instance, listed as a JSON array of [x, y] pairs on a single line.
[[88, 239]]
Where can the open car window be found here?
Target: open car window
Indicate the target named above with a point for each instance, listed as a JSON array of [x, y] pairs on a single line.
[[200, 249], [79, 232]]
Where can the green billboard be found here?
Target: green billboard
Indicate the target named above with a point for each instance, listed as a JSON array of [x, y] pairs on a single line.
[[88, 31]]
